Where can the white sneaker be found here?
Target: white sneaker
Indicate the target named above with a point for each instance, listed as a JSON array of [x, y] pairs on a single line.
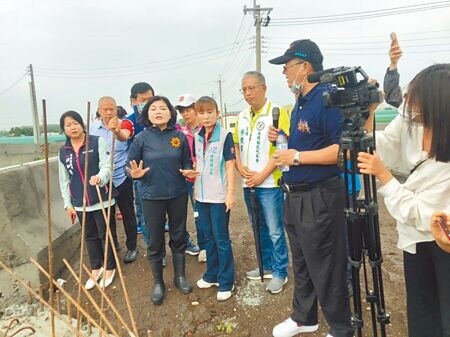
[[202, 256], [224, 295], [254, 274], [202, 284], [289, 328], [90, 283]]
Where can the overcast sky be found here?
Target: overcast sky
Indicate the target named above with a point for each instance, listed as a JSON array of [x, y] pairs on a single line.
[[82, 50]]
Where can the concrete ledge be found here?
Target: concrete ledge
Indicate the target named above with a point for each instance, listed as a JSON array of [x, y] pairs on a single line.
[[16, 154], [23, 226]]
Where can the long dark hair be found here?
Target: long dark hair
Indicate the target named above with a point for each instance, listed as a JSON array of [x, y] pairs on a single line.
[[74, 115], [429, 95], [173, 113]]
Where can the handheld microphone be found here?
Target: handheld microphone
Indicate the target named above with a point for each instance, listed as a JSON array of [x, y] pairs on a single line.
[[275, 118]]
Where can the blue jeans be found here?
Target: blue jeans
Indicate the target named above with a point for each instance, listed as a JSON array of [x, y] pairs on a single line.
[[139, 212], [269, 202], [214, 221], [200, 235]]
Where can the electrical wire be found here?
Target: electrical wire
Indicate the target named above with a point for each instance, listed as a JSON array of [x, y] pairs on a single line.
[[365, 37], [238, 70], [120, 73], [13, 85], [324, 46], [234, 44], [359, 15], [365, 12], [332, 52], [233, 64], [380, 42], [165, 62], [236, 103]]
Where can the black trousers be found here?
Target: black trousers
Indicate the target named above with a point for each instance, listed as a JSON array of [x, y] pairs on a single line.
[[155, 216], [95, 234], [427, 279], [125, 201], [314, 222]]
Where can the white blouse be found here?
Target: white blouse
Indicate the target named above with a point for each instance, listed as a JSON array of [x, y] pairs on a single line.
[[426, 190]]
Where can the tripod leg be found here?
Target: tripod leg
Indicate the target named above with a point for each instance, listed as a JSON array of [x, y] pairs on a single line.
[[354, 241]]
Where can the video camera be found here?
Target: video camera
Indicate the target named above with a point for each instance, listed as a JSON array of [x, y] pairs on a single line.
[[353, 96]]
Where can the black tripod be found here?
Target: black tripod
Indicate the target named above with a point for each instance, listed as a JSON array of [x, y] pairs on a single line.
[[363, 233]]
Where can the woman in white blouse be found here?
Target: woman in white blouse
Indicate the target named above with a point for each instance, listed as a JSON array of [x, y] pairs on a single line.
[[418, 143]]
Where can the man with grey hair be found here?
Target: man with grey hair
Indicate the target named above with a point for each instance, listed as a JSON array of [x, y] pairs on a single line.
[[107, 125], [260, 178]]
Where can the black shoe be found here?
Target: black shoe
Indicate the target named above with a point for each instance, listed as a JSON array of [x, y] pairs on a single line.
[[164, 262], [130, 256]]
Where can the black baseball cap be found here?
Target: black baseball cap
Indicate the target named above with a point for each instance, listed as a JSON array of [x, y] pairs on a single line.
[[304, 49]]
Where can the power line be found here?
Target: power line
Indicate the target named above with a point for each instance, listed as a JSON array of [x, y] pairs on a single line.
[[233, 64], [234, 44], [238, 69], [359, 15], [13, 85], [362, 47], [118, 73], [333, 52], [237, 102], [366, 37], [287, 42], [161, 63], [365, 12]]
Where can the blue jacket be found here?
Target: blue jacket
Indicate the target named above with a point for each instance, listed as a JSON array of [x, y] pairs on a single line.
[[165, 152], [74, 164]]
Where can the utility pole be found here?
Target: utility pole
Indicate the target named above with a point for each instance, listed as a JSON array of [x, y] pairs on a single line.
[[34, 109], [224, 114], [220, 97], [257, 11]]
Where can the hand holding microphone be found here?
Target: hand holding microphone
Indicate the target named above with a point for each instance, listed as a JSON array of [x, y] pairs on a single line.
[[273, 131]]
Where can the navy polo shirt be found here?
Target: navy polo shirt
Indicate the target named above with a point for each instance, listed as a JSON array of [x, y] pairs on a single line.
[[313, 127]]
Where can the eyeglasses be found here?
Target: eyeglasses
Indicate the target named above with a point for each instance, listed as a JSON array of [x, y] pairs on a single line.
[[290, 66], [250, 88]]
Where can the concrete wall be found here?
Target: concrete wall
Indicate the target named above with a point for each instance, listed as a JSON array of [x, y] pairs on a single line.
[[23, 226], [15, 154]]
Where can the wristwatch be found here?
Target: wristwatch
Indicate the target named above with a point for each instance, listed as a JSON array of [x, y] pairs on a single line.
[[296, 160]]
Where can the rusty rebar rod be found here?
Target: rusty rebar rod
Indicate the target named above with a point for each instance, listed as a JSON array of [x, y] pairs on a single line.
[[13, 324], [29, 296], [83, 218], [49, 214], [119, 269], [39, 298], [108, 218], [92, 300], [68, 297]]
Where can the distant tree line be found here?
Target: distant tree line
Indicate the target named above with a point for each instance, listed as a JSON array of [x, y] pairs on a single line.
[[18, 131]]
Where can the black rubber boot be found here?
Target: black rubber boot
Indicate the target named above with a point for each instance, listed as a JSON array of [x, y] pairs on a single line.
[[179, 278], [158, 287]]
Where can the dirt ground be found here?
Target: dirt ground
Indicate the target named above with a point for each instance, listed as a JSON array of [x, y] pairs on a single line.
[[251, 311]]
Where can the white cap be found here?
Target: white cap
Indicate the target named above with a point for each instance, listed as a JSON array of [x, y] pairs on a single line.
[[185, 100]]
